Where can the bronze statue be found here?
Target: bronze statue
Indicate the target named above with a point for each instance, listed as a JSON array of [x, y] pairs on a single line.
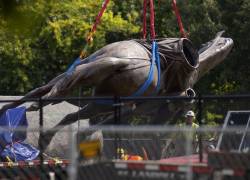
[[121, 68]]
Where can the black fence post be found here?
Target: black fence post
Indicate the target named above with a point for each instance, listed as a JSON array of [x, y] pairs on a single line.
[[199, 118], [117, 110], [117, 118], [119, 121], [41, 138], [119, 105]]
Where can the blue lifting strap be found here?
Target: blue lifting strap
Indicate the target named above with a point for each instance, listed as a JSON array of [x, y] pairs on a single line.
[[73, 66], [158, 63], [155, 60]]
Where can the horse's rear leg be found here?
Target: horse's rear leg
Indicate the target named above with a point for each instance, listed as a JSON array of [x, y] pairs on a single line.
[[90, 74], [38, 92], [87, 112], [91, 111]]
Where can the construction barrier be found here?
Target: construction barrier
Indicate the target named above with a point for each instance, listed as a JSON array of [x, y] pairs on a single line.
[[78, 150]]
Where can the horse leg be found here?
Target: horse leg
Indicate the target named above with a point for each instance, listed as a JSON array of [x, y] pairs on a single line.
[[90, 111], [38, 92], [126, 112], [87, 112], [90, 74]]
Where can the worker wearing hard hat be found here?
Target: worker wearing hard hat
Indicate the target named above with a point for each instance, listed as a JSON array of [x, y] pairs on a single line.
[[189, 121], [190, 116], [184, 137]]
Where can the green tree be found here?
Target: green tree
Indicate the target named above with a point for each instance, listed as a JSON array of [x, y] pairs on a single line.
[[41, 39]]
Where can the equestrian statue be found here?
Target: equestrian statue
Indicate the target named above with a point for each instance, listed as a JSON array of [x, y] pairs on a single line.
[[169, 67]]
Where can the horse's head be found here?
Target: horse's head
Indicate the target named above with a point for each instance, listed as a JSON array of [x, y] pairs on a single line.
[[181, 65], [213, 53], [191, 64]]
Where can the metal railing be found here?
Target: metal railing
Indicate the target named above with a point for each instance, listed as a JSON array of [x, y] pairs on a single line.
[[218, 106]]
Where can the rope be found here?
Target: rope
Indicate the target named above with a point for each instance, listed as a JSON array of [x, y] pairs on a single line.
[[152, 19], [89, 38], [144, 19], [91, 33], [155, 55], [178, 16]]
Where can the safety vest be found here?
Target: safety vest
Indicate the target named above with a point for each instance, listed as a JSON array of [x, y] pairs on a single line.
[[194, 125], [190, 135]]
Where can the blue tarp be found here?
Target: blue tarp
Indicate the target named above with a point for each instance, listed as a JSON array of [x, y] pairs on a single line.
[[20, 152], [11, 142]]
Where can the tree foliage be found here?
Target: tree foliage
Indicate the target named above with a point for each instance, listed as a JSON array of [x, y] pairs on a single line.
[[37, 47], [40, 39]]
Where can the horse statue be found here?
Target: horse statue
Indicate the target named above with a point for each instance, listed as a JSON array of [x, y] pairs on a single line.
[[122, 68]]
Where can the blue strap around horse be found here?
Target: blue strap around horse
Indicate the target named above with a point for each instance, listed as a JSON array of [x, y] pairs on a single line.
[[73, 66], [154, 60]]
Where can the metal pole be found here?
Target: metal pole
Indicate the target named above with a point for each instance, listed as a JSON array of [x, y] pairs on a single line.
[[119, 120], [199, 118], [119, 111], [117, 116], [116, 122], [41, 138], [244, 135], [116, 110], [73, 167], [222, 132]]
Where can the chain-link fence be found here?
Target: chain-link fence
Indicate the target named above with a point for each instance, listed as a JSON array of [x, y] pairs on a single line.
[[73, 143], [125, 152]]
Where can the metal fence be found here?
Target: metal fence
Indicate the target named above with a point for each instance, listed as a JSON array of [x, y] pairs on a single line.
[[223, 132], [171, 153], [142, 152]]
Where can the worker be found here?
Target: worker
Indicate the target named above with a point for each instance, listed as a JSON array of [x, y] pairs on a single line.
[[190, 116], [182, 139], [189, 121]]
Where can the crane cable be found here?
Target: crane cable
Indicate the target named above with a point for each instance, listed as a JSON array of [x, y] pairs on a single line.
[[178, 17], [92, 31], [89, 39], [155, 59], [152, 20]]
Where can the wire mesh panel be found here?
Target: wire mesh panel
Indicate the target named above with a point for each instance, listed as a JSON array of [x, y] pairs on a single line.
[[155, 111], [139, 144], [131, 153], [19, 171], [135, 151], [21, 160], [126, 152], [240, 140]]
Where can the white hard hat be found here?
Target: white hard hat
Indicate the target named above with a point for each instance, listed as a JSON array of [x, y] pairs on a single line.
[[190, 113]]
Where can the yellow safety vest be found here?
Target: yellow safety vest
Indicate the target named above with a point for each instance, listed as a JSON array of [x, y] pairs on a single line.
[[190, 135]]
